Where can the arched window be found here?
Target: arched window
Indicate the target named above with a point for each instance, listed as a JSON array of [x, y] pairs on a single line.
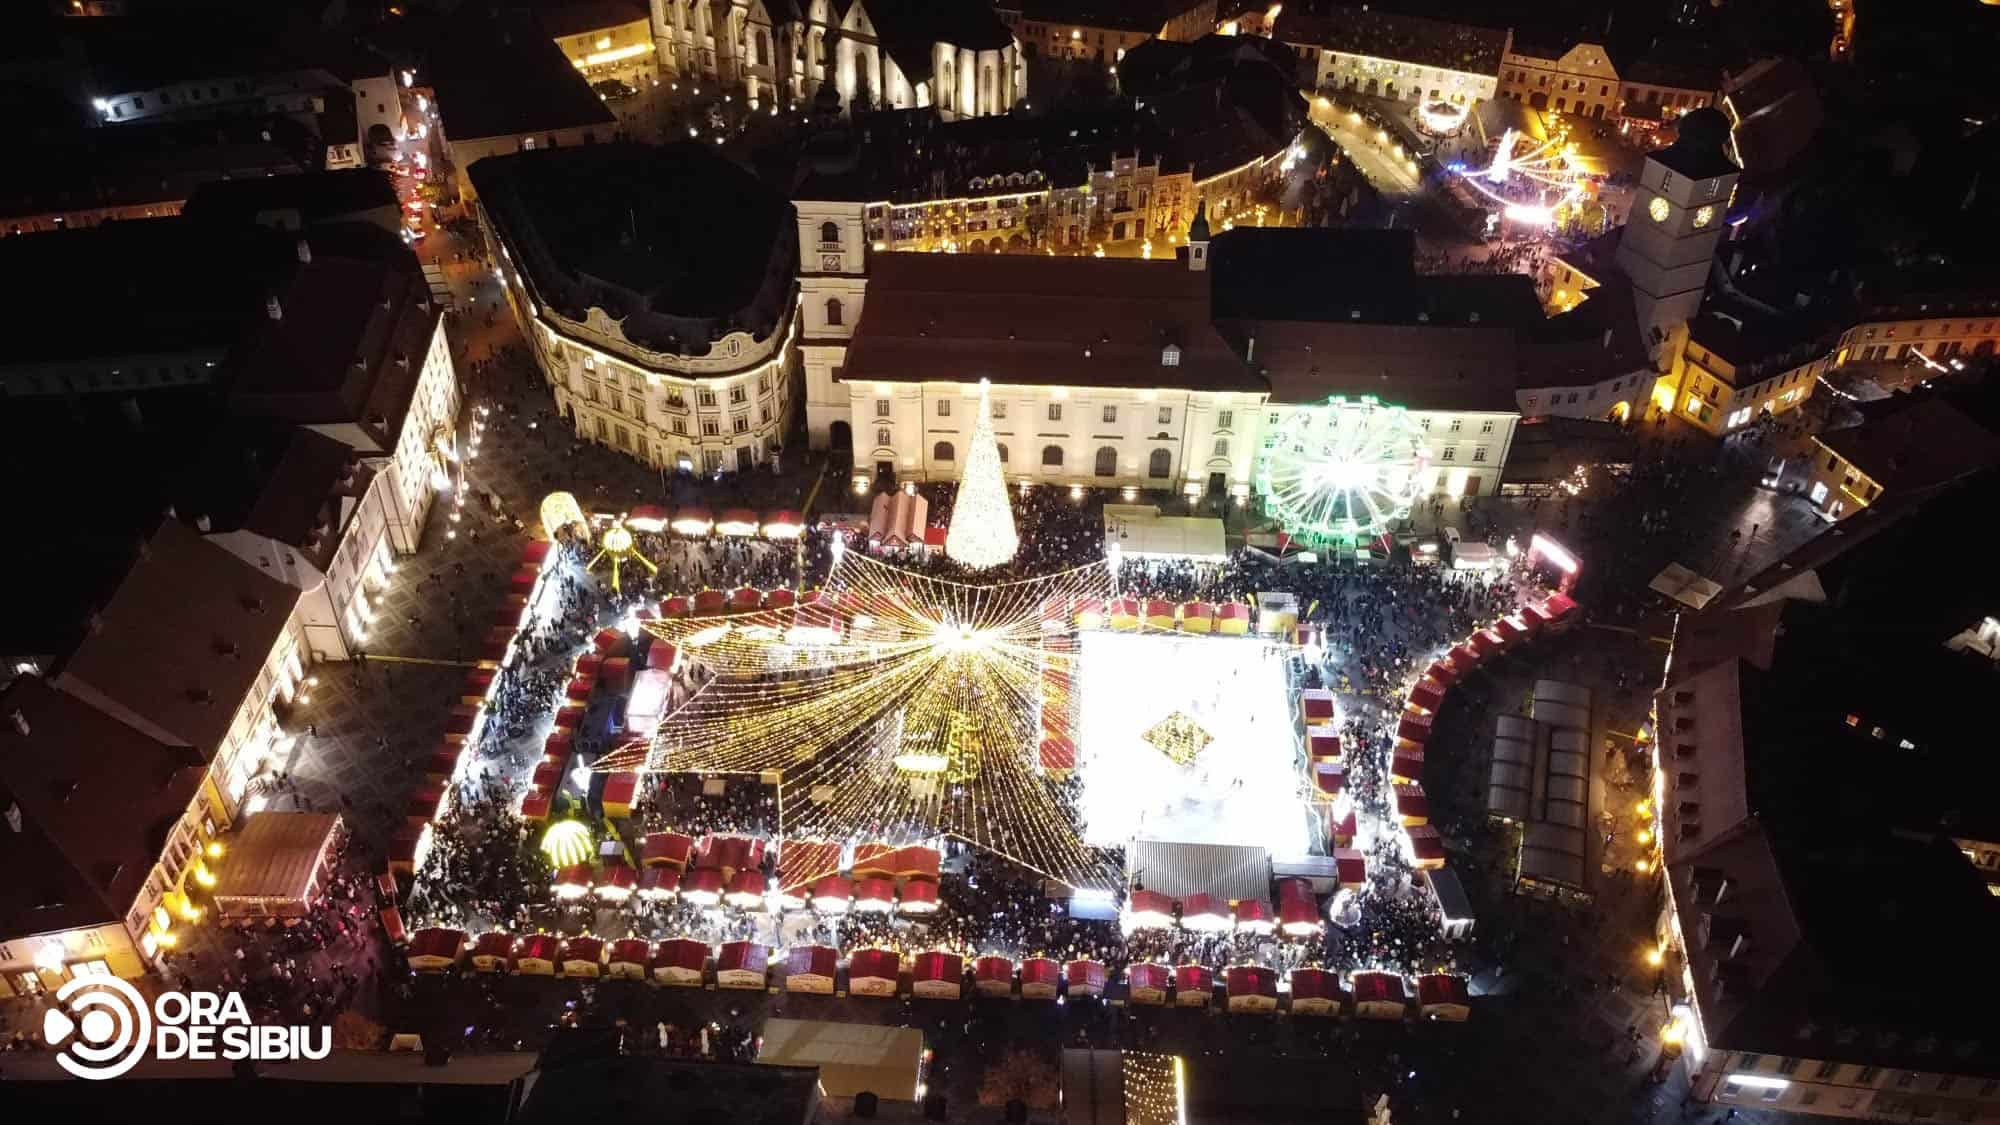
[[763, 51], [1159, 464], [943, 451], [829, 232], [1003, 452], [1107, 462], [1052, 457], [833, 310]]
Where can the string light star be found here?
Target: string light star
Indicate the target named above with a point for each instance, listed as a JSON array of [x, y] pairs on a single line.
[[617, 545], [893, 706]]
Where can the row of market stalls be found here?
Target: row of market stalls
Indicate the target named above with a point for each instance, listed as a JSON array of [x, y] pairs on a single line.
[[697, 522], [727, 869], [1129, 615], [1297, 914], [935, 974], [1410, 804]]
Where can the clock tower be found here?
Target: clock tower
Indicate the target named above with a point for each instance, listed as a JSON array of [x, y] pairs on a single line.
[[1678, 216]]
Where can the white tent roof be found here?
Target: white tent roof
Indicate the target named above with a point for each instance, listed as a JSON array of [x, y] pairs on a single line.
[[852, 1058], [1177, 870], [1685, 586]]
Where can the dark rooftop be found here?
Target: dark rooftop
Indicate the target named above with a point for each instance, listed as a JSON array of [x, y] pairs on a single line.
[[97, 800], [1354, 276], [1146, 16], [501, 77], [316, 197], [1032, 320], [1701, 149], [148, 162], [676, 230], [908, 29], [1915, 442]]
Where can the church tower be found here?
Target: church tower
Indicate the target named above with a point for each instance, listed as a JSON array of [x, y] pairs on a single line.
[[833, 266], [1678, 216]]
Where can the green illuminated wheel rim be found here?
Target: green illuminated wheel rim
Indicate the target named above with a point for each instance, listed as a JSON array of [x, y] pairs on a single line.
[[1342, 471]]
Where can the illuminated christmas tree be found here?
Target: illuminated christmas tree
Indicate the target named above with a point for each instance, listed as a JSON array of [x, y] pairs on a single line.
[[982, 522]]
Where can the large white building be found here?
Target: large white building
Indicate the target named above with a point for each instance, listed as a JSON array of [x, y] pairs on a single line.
[[1408, 58], [889, 54], [1150, 374], [657, 290]]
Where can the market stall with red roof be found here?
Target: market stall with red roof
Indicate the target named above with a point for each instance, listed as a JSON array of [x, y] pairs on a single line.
[[736, 522], [801, 863], [666, 849], [478, 683], [443, 764], [435, 949], [780, 599], [426, 804], [1148, 910], [1147, 983], [832, 894], [873, 972], [615, 883], [1039, 978], [1194, 986], [1298, 910], [1232, 619], [742, 964], [874, 895], [536, 954], [582, 956], [1315, 992], [1124, 614], [918, 862], [729, 852], [702, 886], [573, 882], [783, 525], [1252, 988], [1345, 829], [1204, 913], [746, 890], [874, 860], [1442, 672], [693, 520], [1444, 996], [1089, 613], [1413, 807], [680, 961], [710, 603], [1159, 613], [650, 518], [1323, 742], [811, 968], [1316, 706], [1426, 846], [1058, 756], [993, 975], [1512, 629], [1085, 977], [1407, 764], [1488, 643], [1329, 778], [658, 884], [535, 805], [1414, 726], [628, 960], [620, 789], [1561, 609], [937, 975], [1465, 657], [492, 952], [1428, 695], [1350, 865], [1380, 996], [919, 896], [1253, 916], [676, 606], [1197, 617]]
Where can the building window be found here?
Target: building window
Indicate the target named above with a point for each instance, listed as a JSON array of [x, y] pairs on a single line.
[[1002, 447], [881, 408], [833, 310], [1107, 461], [705, 397], [943, 451], [1868, 1075], [1486, 427], [1450, 454], [829, 232], [1826, 1070], [1052, 457], [738, 395], [1110, 415], [944, 408], [710, 428], [881, 436], [1170, 356], [1225, 419], [997, 409], [1479, 453], [1159, 464], [741, 424], [681, 426], [1055, 412], [1166, 415], [1222, 447], [1788, 1065]]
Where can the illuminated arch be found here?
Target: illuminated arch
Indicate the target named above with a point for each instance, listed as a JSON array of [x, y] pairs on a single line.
[[560, 510]]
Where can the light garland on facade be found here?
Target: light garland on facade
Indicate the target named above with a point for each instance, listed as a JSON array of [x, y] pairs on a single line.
[[897, 707], [982, 531]]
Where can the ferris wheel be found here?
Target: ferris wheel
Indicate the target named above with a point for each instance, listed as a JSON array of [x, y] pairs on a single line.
[[1343, 470]]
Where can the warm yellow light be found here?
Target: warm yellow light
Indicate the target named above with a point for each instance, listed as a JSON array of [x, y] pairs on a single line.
[[1654, 957], [616, 55], [1644, 836], [1644, 808], [203, 875], [567, 843], [1643, 866], [214, 849]]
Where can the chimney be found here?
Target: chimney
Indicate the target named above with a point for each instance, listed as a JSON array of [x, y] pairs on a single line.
[[201, 524], [1607, 335], [1250, 352], [272, 309], [305, 252]]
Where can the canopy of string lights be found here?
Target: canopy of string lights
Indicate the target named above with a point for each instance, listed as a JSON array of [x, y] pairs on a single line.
[[894, 706]]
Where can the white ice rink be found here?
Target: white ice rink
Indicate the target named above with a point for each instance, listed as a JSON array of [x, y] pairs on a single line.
[[1242, 788]]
